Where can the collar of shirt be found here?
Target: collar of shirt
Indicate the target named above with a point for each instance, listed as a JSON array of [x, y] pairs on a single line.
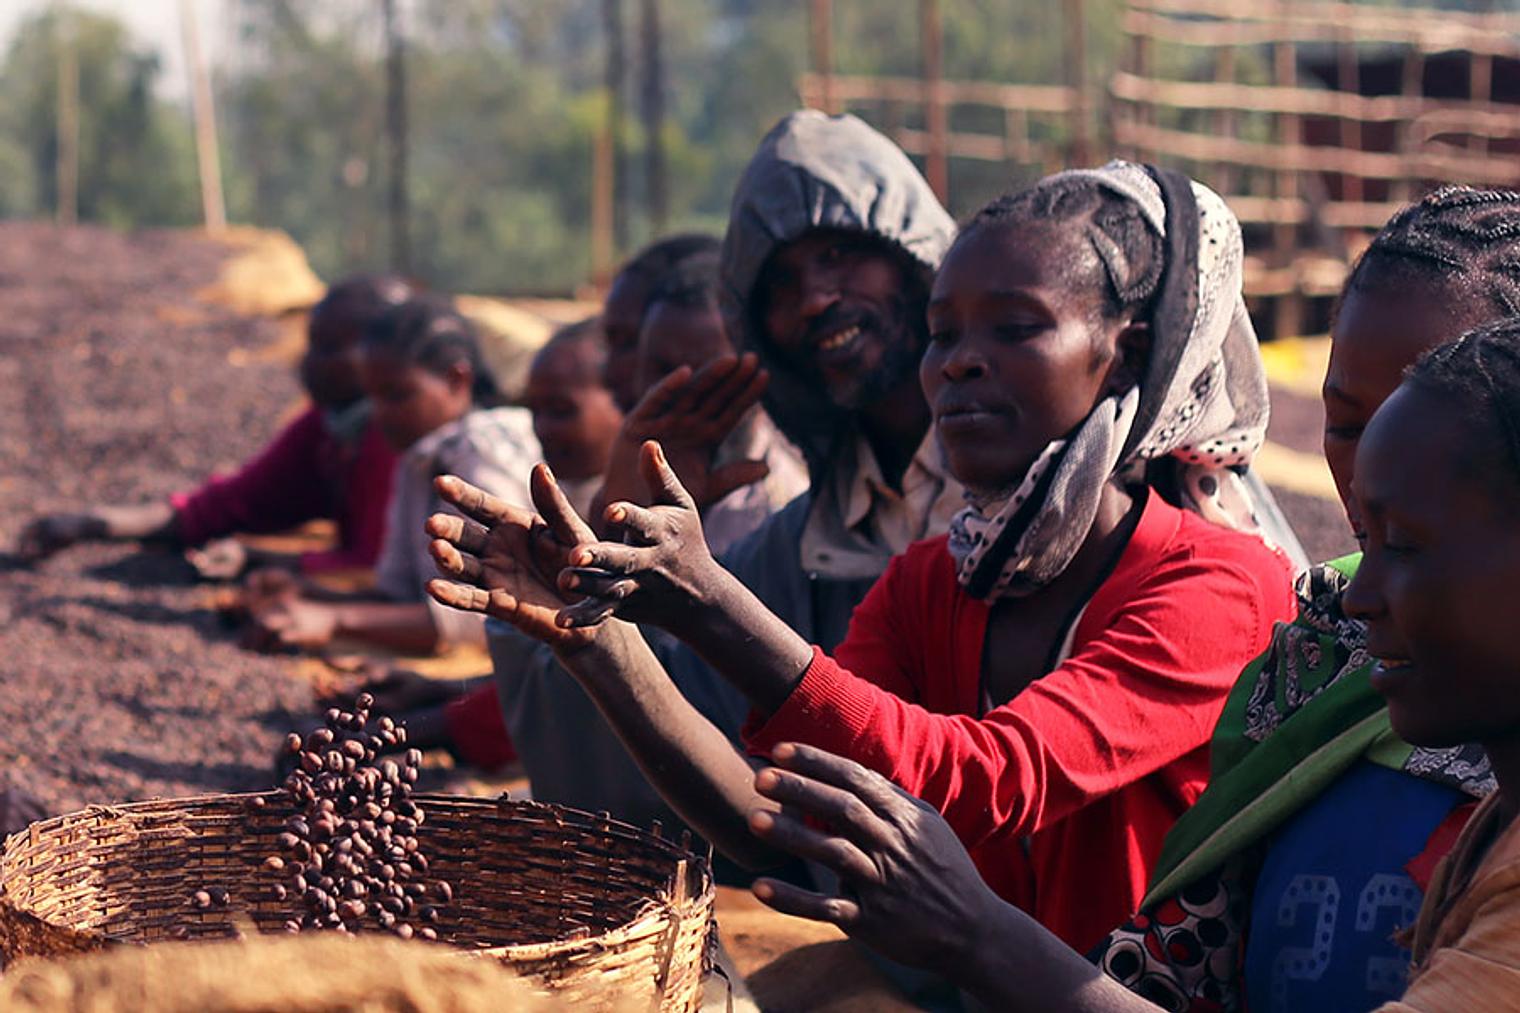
[[859, 522]]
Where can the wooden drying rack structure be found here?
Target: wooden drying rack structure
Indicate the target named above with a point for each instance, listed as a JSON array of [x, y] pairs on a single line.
[[886, 101], [1313, 167], [1267, 102]]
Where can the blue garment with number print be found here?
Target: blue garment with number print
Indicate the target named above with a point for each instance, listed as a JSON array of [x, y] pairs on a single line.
[[1332, 891]]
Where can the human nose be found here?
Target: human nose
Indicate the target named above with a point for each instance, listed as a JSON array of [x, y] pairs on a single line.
[[1363, 597], [964, 361], [819, 285]]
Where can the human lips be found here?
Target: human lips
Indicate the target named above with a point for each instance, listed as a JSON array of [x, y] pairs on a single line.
[[838, 339], [1390, 671]]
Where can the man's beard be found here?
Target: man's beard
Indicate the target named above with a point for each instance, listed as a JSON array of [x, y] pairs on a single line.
[[902, 348]]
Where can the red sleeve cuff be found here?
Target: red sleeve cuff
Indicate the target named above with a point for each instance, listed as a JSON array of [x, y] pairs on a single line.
[[478, 730], [829, 708]]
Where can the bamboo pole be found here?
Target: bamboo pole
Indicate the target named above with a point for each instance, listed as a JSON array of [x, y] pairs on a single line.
[[207, 157], [67, 168], [931, 40]]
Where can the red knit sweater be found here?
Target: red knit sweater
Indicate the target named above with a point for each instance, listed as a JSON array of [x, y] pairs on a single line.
[[1064, 793]]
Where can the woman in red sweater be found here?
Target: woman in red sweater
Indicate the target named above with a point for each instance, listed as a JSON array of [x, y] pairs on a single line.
[[1048, 676]]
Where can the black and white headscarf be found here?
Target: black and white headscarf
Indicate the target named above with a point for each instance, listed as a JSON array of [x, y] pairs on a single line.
[[1201, 405]]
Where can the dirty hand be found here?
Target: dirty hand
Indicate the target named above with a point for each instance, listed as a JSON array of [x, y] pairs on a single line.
[[502, 560], [690, 415], [292, 622], [222, 559], [661, 570], [47, 535], [908, 889]]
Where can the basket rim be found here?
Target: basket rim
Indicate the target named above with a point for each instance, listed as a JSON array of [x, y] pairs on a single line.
[[694, 891]]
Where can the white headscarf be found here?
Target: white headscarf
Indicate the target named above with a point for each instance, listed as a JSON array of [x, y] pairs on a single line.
[[1201, 405]]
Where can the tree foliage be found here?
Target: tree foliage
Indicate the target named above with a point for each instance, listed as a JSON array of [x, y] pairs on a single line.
[[505, 98]]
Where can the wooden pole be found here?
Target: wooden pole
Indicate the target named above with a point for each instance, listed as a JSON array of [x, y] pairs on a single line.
[[821, 31], [616, 76], [67, 168], [602, 170], [652, 102], [396, 127], [1288, 320], [207, 157], [931, 35], [932, 41], [1080, 152]]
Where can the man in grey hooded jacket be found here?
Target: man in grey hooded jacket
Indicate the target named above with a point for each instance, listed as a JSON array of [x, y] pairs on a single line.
[[832, 241]]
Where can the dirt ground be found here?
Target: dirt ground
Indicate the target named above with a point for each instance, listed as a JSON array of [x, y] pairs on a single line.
[[117, 681]]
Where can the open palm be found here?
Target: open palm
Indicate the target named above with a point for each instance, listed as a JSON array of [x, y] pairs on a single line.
[[502, 560]]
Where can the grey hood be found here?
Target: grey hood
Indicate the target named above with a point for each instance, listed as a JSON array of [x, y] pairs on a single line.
[[816, 171]]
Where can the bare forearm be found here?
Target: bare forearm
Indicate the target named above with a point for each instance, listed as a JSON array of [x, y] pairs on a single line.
[[406, 627], [736, 634], [148, 521], [1018, 965], [692, 764]]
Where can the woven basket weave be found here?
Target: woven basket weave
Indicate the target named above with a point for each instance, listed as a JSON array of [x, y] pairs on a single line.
[[583, 907]]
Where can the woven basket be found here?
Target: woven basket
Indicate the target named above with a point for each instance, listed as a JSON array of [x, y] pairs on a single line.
[[583, 907]]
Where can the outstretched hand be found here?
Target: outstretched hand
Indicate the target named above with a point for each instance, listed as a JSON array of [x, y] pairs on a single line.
[[502, 560], [908, 888], [661, 569], [690, 415]]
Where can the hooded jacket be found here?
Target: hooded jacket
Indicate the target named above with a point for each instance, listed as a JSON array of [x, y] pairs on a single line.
[[814, 171], [811, 171]]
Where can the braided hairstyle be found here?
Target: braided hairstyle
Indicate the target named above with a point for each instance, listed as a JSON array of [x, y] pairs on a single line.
[[1461, 236], [428, 331], [1130, 251], [1479, 374]]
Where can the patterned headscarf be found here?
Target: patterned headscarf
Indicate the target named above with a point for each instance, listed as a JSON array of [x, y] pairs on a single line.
[[1200, 408]]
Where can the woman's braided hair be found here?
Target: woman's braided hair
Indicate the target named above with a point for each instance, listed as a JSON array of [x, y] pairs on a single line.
[[428, 331], [1129, 249], [1480, 374], [1463, 236]]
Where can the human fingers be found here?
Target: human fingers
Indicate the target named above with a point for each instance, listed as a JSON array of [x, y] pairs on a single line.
[[718, 397], [793, 900], [611, 557], [661, 398], [743, 398], [834, 850], [590, 611], [724, 480], [665, 488], [465, 534], [566, 525], [881, 795], [595, 583], [466, 597], [474, 502], [839, 808], [453, 563], [642, 522]]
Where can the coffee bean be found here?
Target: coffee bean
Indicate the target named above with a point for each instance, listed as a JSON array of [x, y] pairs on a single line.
[[274, 863], [364, 701], [201, 899], [404, 930], [429, 933], [293, 743]]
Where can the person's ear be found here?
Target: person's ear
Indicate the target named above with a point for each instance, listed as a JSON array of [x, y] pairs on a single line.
[[1132, 351], [460, 378]]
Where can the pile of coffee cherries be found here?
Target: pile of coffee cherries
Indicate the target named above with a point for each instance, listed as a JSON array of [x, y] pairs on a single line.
[[350, 854]]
